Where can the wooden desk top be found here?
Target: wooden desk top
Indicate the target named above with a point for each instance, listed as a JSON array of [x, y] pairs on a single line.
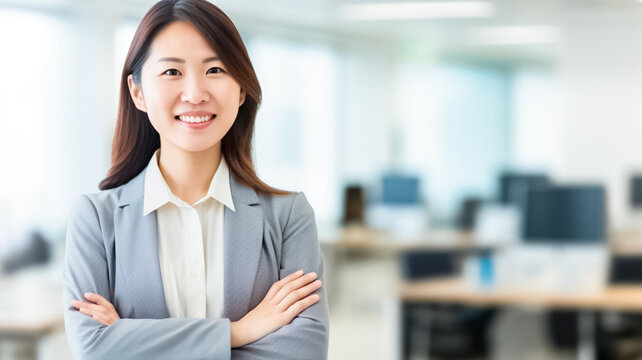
[[454, 290], [361, 238]]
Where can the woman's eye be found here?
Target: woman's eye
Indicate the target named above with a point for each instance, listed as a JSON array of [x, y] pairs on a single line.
[[172, 72], [215, 70]]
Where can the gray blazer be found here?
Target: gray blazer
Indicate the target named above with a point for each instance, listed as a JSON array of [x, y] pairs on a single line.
[[112, 250]]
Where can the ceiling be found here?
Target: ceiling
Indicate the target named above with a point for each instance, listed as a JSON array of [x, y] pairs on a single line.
[[517, 30]]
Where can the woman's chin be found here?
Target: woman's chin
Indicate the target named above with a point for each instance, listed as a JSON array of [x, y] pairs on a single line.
[[199, 148]]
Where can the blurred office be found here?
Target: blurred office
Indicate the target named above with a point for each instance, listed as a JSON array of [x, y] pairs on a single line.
[[475, 166]]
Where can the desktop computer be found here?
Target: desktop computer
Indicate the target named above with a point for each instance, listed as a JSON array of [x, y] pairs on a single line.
[[400, 189], [563, 242], [570, 214], [400, 208]]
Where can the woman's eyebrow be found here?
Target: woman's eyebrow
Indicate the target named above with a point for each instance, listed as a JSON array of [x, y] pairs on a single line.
[[179, 60]]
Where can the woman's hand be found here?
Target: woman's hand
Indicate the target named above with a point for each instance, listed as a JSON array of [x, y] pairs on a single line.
[[286, 299], [98, 308]]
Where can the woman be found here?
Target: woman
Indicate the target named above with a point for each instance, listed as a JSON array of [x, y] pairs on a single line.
[[185, 253]]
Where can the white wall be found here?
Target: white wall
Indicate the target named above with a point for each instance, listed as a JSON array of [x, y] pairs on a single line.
[[601, 69], [537, 127], [454, 125], [366, 115]]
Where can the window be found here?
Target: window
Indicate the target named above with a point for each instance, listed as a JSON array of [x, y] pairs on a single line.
[[295, 131], [33, 96]]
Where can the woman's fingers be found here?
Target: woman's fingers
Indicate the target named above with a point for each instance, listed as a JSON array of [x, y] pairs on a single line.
[[299, 294], [286, 299], [94, 312], [86, 310], [99, 300], [294, 285], [106, 319], [102, 310], [98, 316], [80, 304], [274, 289], [296, 308], [97, 312], [90, 306]]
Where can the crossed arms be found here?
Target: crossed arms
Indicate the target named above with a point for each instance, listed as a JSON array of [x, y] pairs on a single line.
[[86, 270]]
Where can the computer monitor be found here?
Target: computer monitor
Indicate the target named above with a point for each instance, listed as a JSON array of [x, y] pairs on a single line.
[[565, 214], [635, 191], [400, 190], [513, 186]]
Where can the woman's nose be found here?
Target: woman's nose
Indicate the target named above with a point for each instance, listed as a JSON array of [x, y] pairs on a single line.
[[195, 91]]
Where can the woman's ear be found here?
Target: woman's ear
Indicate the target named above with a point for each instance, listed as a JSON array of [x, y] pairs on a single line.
[[242, 98], [136, 92]]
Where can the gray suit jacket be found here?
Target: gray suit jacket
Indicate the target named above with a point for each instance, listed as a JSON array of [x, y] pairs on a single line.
[[112, 250]]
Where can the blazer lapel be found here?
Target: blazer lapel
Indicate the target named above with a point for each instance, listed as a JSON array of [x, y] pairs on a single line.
[[242, 249], [137, 253]]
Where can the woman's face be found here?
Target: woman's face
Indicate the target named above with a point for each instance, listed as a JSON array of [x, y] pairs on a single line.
[[186, 91]]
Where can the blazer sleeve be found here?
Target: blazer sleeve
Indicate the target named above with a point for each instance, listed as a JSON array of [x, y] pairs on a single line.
[[306, 337], [86, 270]]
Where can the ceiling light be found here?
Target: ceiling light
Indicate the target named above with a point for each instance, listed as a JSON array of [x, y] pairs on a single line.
[[509, 35], [416, 10]]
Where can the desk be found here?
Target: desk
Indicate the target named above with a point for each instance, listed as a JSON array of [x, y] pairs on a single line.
[[455, 290], [378, 240], [341, 244]]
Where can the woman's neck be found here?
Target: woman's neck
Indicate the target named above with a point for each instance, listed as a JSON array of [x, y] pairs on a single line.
[[189, 174]]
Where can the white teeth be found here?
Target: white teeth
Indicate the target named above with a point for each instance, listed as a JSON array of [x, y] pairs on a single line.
[[194, 119]]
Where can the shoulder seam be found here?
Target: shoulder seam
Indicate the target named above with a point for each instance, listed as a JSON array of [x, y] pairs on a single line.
[[287, 222], [93, 206]]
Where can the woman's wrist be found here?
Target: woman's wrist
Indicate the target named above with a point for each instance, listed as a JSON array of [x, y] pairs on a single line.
[[237, 338]]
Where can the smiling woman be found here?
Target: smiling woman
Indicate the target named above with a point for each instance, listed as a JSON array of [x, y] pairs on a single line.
[[186, 253], [177, 89]]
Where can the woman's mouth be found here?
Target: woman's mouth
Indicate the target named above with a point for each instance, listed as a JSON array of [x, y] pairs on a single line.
[[196, 122], [195, 119]]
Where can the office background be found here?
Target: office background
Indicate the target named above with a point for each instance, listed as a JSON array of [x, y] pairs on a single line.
[[448, 97]]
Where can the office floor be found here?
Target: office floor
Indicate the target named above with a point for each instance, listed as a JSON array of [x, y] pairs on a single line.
[[362, 310]]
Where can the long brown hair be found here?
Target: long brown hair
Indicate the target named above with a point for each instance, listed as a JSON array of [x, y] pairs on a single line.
[[135, 140]]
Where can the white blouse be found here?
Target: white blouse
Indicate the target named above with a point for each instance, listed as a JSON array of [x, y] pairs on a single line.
[[190, 242]]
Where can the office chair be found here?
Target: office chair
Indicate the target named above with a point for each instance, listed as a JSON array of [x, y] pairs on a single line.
[[438, 330], [618, 335], [468, 212], [354, 205], [623, 331], [34, 250]]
